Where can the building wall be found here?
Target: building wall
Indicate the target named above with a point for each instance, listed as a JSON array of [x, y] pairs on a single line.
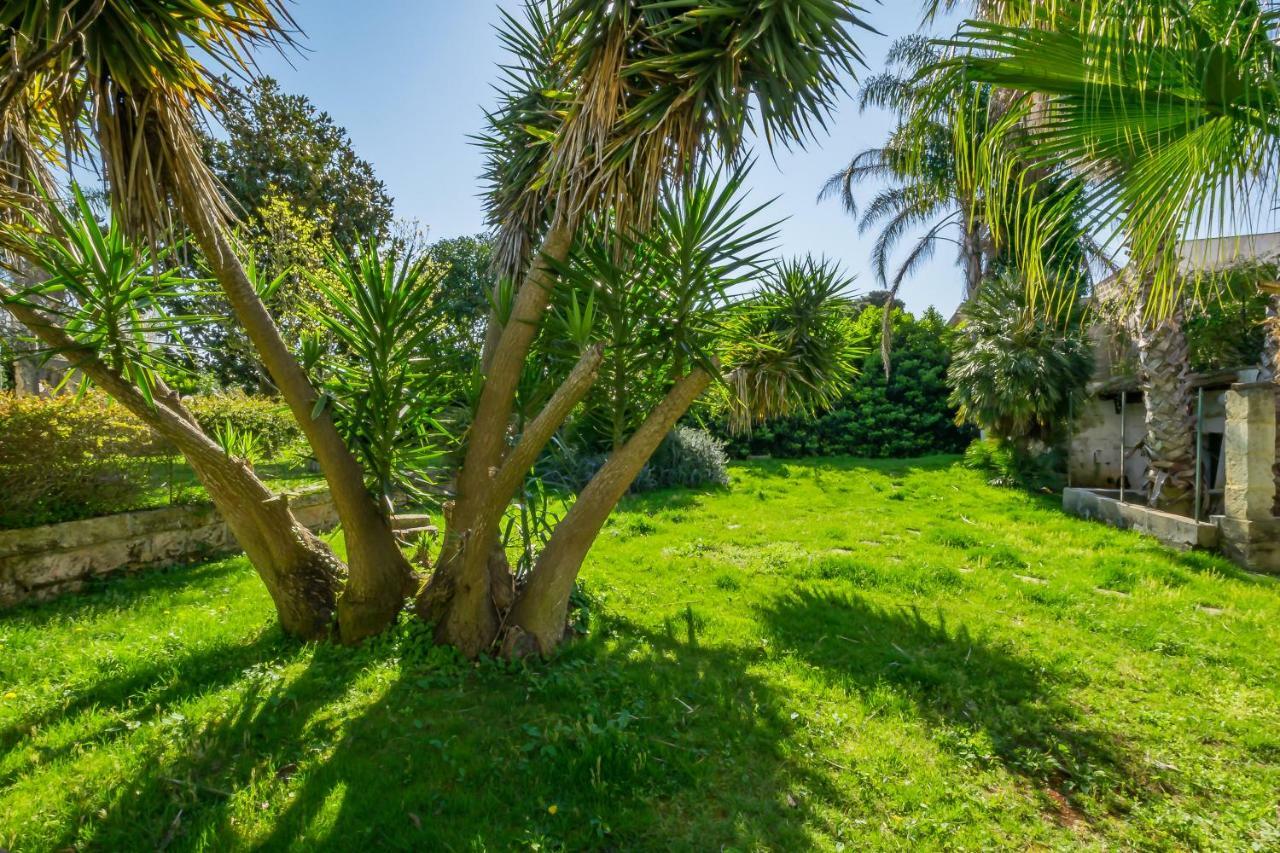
[[1094, 455]]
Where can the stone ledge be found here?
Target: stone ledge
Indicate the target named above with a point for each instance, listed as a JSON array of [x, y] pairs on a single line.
[[42, 563], [1105, 506]]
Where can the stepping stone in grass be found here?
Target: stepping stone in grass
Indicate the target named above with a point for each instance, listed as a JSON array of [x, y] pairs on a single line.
[[1212, 611], [1114, 593], [1030, 579]]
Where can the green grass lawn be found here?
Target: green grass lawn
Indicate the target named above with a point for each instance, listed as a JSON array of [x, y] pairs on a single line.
[[829, 655]]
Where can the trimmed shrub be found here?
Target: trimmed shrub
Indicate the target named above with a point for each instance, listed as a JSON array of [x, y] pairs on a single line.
[[268, 420], [68, 457], [903, 416]]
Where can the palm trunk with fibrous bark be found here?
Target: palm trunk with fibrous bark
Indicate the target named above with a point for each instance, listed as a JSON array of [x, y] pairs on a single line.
[[379, 575], [299, 570], [1163, 358]]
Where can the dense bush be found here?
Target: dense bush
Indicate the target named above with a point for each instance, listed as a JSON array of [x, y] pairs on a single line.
[[68, 457], [905, 415], [1018, 371], [687, 457], [267, 419], [1005, 464]]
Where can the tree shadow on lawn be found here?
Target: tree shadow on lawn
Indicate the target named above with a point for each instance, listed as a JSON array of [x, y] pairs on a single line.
[[630, 739], [955, 681], [124, 590], [142, 694]]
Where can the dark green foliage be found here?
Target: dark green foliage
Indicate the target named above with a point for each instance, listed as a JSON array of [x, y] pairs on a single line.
[[1004, 464], [465, 294], [1227, 331], [902, 416], [279, 144], [1014, 372]]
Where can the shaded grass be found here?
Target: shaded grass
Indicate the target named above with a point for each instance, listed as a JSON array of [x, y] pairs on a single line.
[[880, 655]]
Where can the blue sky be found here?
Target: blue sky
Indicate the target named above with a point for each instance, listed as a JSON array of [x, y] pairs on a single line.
[[409, 79]]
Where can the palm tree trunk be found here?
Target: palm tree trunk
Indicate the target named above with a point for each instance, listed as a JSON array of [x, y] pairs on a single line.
[[538, 618], [1271, 364], [458, 598], [380, 576], [1166, 390], [300, 572]]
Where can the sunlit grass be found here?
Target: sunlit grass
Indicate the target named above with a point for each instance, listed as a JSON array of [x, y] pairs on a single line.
[[874, 655]]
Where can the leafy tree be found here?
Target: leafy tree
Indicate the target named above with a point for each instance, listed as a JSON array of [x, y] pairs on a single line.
[[1014, 372], [279, 146], [465, 294], [904, 414]]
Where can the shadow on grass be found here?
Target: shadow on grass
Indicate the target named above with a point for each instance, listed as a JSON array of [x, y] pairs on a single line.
[[123, 590], [626, 738], [961, 685], [143, 694]]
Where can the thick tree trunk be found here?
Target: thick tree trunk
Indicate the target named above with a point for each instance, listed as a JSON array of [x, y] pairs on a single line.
[[458, 598], [538, 619], [473, 630], [380, 577], [1166, 390], [299, 570]]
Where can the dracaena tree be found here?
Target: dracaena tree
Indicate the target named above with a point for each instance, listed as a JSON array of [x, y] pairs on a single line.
[[128, 79], [94, 297], [603, 104]]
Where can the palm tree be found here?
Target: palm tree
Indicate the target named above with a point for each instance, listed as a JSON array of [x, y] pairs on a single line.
[[106, 318], [919, 160], [135, 74], [604, 105], [1168, 110]]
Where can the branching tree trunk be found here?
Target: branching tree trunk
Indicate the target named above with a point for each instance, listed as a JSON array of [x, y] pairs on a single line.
[[538, 619], [380, 577], [300, 572], [1163, 357], [458, 598]]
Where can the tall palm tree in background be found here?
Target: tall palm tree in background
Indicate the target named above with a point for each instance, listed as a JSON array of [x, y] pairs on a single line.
[[1169, 111], [127, 79], [919, 161]]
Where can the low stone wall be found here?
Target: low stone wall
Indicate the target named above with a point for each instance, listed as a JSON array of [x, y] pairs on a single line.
[[42, 563], [1104, 505]]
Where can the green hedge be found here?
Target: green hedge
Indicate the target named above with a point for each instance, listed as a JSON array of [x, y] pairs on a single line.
[[69, 457], [268, 419], [906, 415]]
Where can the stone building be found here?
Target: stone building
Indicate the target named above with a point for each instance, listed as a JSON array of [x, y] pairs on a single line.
[[1234, 456]]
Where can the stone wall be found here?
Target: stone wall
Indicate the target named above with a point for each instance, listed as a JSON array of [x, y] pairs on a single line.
[[42, 563]]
